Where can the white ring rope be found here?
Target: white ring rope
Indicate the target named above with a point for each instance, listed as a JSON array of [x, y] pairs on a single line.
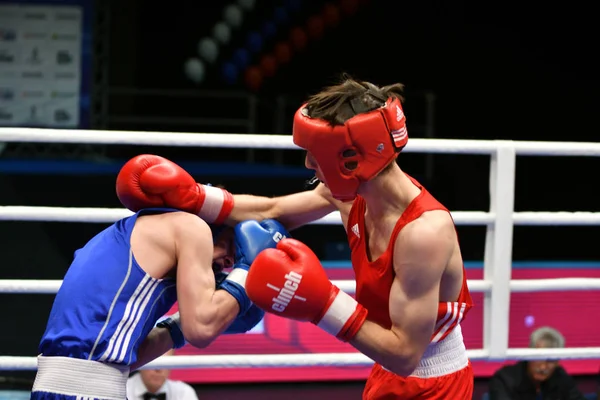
[[446, 146], [308, 360], [32, 286], [471, 218], [502, 152]]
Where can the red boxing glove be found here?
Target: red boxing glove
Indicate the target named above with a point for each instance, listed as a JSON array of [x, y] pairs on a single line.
[[289, 281], [148, 181]]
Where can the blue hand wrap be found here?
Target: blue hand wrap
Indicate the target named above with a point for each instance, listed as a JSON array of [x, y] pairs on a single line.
[[246, 322], [172, 324], [234, 285]]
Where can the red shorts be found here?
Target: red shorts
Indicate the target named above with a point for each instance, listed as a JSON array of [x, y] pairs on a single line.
[[384, 385]]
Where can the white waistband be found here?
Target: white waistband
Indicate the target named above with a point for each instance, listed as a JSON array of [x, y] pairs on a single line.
[[76, 377], [444, 357]]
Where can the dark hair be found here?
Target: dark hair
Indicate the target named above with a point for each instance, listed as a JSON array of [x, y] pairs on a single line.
[[338, 103]]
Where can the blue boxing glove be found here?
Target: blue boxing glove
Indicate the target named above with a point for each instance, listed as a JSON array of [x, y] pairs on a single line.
[[243, 323], [251, 237]]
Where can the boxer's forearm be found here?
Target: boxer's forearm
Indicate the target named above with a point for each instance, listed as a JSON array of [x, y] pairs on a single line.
[[156, 344], [292, 211], [393, 351], [226, 309], [248, 207], [211, 319]]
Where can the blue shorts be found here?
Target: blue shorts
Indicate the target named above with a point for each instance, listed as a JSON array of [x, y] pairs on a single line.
[[56, 396], [53, 396]]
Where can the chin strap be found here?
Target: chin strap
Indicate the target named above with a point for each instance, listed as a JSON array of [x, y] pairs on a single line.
[[311, 183]]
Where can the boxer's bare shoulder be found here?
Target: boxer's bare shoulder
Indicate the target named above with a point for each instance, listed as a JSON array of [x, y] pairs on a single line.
[[430, 223], [425, 245], [427, 259], [155, 238]]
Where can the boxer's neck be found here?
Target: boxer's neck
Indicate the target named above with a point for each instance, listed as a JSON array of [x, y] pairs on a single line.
[[389, 193]]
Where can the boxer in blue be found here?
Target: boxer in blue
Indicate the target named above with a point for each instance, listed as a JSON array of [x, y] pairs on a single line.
[[103, 321]]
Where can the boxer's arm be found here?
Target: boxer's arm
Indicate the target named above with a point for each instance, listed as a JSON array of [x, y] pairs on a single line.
[[156, 344], [292, 211], [420, 257], [205, 312]]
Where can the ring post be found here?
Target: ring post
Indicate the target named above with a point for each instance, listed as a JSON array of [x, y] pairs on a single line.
[[498, 250]]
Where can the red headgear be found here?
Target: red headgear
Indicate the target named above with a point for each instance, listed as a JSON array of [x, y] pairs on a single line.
[[376, 137]]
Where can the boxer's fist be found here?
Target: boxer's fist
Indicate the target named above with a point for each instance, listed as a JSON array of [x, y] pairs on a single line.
[[148, 181], [289, 281], [244, 323], [251, 237], [152, 181]]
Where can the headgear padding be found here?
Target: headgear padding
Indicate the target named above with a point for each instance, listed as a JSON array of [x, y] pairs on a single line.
[[376, 137]]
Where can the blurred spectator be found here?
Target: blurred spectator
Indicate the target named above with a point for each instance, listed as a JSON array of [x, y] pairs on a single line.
[[151, 384], [535, 380]]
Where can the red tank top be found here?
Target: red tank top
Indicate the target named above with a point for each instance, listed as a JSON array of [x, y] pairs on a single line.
[[374, 279]]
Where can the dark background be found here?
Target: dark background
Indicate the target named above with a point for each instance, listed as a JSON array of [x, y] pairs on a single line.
[[517, 71]]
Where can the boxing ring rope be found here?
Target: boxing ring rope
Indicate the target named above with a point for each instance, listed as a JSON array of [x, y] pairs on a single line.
[[500, 220], [181, 139], [305, 360], [110, 215], [30, 286]]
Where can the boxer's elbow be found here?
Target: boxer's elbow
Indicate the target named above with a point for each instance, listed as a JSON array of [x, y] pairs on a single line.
[[209, 324], [200, 335], [273, 209], [202, 330], [402, 360], [401, 365]]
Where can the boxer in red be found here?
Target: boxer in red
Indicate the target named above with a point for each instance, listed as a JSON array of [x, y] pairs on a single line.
[[411, 292]]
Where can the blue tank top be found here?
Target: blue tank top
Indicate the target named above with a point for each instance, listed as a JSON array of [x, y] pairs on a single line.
[[107, 303]]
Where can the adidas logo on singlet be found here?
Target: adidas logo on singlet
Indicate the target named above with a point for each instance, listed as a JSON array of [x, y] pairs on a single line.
[[355, 230], [399, 114]]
